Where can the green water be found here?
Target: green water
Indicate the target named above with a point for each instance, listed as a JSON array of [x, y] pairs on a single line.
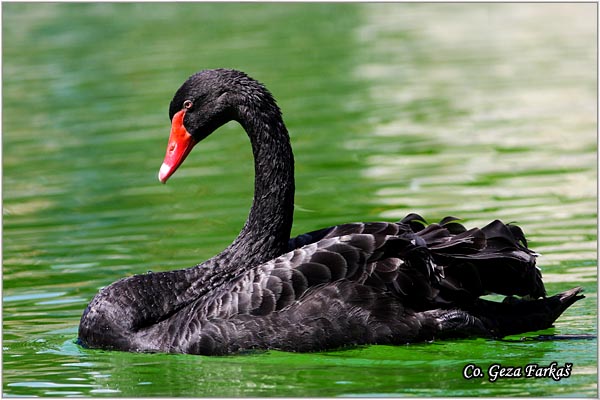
[[481, 111]]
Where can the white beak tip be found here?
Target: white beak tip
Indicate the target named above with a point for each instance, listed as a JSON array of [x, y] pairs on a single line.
[[164, 172]]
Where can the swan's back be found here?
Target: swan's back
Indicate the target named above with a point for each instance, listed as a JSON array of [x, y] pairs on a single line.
[[355, 284]]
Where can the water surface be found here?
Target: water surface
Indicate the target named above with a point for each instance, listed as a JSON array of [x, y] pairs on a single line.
[[481, 111]]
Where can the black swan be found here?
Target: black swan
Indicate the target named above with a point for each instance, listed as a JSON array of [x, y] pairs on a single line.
[[346, 285]]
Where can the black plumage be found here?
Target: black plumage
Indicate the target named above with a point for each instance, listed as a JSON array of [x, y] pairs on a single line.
[[351, 284]]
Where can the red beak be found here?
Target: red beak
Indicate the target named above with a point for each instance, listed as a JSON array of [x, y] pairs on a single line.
[[180, 145]]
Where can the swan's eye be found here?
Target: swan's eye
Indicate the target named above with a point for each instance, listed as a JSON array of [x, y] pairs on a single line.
[[187, 104]]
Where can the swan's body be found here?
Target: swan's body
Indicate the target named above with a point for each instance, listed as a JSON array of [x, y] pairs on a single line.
[[351, 284]]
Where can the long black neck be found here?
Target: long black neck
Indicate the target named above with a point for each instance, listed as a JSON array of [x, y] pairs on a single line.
[[267, 230]]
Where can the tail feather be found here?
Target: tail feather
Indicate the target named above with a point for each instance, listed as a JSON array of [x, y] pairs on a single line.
[[496, 320], [516, 316]]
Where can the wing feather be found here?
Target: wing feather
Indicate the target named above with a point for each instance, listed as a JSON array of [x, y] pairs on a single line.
[[418, 262]]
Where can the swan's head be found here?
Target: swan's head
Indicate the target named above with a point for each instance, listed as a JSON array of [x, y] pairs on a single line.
[[206, 101]]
